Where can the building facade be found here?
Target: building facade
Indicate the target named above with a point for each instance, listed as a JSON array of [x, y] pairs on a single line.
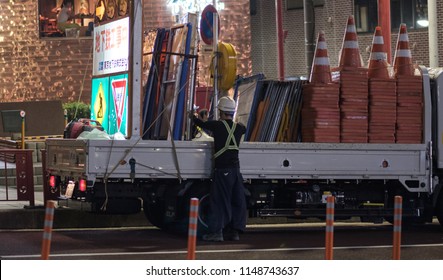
[[50, 68], [330, 16]]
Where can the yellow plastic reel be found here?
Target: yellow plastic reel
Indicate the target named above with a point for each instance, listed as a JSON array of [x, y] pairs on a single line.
[[227, 66]]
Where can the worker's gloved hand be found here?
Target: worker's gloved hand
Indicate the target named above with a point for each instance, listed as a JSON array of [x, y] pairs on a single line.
[[192, 114]]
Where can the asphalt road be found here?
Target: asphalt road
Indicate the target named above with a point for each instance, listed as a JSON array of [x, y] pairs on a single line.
[[352, 241]]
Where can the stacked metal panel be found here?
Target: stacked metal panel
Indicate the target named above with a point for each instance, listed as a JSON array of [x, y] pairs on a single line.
[[321, 113], [245, 94], [409, 109], [167, 88], [274, 114]]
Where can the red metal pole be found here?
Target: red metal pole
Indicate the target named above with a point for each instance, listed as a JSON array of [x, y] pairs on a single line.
[[398, 212], [384, 21], [47, 230], [280, 40], [329, 239], [192, 228]]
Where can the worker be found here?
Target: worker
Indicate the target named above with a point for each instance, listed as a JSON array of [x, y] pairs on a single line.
[[227, 195], [203, 114], [65, 14]]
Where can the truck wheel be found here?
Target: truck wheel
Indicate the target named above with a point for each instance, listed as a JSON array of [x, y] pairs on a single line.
[[155, 213], [199, 190], [154, 209], [406, 221], [203, 215]]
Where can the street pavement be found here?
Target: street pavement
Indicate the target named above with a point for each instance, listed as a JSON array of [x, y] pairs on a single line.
[[68, 214]]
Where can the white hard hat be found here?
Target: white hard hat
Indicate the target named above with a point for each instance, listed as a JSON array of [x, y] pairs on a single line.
[[226, 104]]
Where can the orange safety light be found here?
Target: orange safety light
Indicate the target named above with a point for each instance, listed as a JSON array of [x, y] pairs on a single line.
[[52, 181], [82, 185]]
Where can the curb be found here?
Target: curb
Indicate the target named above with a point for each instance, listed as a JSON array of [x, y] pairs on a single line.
[[67, 218]]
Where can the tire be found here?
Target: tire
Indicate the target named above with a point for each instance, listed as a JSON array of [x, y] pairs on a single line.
[[154, 212], [199, 190], [406, 221], [154, 209], [158, 208], [203, 215]]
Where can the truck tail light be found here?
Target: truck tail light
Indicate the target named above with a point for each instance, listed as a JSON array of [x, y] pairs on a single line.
[[82, 185], [52, 181]]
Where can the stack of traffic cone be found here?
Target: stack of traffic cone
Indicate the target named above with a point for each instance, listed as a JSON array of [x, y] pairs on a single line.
[[382, 94], [409, 93], [353, 90], [320, 111]]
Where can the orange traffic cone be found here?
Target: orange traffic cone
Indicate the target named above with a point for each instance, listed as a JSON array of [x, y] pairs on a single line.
[[321, 71], [350, 53], [403, 58], [378, 65]]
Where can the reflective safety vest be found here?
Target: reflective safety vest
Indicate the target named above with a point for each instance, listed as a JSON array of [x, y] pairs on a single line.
[[230, 138]]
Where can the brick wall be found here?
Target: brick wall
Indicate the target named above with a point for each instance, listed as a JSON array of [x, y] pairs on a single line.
[[330, 18], [60, 68], [40, 69], [234, 29]]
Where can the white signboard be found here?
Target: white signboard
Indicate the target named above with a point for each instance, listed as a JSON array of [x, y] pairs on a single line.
[[111, 47]]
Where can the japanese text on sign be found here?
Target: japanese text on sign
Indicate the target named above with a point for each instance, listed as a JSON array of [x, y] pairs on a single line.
[[111, 47]]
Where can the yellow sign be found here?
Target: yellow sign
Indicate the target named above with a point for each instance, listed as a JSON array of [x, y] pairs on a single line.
[[100, 10], [100, 104]]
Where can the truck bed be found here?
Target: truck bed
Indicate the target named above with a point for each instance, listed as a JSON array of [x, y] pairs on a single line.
[[192, 160]]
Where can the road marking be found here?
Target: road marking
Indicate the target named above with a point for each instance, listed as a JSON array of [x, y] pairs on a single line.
[[217, 251]]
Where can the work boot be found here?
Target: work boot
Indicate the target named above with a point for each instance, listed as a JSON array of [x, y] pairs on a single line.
[[215, 236], [231, 234]]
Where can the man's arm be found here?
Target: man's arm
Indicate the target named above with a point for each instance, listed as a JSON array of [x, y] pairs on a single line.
[[197, 121]]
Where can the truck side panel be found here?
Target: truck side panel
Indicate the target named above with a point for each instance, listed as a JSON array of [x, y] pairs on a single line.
[[193, 160]]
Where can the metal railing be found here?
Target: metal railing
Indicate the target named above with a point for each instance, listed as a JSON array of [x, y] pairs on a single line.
[[17, 180]]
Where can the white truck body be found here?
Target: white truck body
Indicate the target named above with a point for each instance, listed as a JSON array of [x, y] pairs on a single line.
[[156, 159]]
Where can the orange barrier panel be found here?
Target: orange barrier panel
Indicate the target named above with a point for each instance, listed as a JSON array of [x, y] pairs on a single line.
[[47, 230], [329, 244], [192, 228], [397, 227]]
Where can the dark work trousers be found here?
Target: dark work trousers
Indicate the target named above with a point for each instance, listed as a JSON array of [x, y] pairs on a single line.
[[228, 204]]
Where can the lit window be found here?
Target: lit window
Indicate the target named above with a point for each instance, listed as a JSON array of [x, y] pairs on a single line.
[[65, 18], [414, 13], [365, 15], [73, 18]]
